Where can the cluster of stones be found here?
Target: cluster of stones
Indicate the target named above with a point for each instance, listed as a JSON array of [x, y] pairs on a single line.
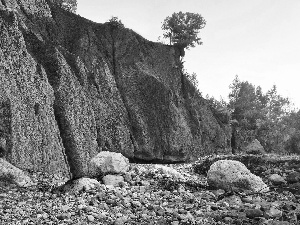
[[123, 193]]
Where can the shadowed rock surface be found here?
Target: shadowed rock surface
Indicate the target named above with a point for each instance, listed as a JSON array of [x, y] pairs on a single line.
[[70, 88]]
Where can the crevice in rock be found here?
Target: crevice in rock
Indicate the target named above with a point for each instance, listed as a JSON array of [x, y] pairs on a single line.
[[62, 139], [5, 127], [36, 109], [116, 76], [153, 161]]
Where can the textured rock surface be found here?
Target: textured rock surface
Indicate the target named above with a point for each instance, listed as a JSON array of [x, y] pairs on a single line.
[[75, 186], [70, 88], [108, 163], [13, 174], [233, 175]]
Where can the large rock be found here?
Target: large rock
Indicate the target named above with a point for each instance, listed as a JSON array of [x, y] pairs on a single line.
[[233, 175], [13, 174], [108, 163], [70, 88]]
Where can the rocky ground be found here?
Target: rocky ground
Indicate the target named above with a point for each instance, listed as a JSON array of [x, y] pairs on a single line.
[[151, 195]]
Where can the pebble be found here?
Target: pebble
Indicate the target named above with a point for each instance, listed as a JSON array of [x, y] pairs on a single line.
[[63, 216], [90, 218]]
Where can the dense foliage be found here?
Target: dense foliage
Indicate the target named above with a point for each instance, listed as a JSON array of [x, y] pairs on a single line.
[[183, 28], [69, 5], [115, 22], [267, 117]]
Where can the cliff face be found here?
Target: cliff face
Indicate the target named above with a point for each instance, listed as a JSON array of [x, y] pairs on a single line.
[[70, 88]]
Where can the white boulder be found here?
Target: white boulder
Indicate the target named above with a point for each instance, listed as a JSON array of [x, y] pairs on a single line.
[[234, 175], [108, 163]]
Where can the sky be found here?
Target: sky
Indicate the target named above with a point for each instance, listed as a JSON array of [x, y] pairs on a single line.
[[258, 40]]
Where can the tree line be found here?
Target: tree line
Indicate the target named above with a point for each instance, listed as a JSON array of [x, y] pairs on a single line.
[[267, 117]]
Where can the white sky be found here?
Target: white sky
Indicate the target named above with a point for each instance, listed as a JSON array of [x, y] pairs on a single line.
[[258, 40]]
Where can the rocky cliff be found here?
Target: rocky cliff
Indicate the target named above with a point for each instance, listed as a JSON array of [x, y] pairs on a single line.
[[70, 88]]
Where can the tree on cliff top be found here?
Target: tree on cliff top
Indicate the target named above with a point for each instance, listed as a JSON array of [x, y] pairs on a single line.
[[69, 5], [182, 29]]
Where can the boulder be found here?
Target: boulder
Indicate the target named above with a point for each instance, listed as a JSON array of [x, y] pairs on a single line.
[[255, 148], [113, 180], [293, 177], [108, 163], [75, 186], [233, 175], [12, 174], [277, 179]]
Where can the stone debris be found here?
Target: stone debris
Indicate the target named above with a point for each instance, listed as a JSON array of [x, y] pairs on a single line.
[[148, 196]]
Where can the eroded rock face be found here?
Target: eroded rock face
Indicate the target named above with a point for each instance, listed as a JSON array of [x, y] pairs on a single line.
[[10, 173], [70, 88], [233, 175]]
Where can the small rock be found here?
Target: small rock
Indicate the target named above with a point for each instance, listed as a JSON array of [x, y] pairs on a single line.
[[175, 223], [295, 188], [277, 179], [254, 213], [169, 171], [63, 216], [232, 201], [65, 208], [136, 204], [114, 180], [273, 212], [81, 207], [293, 177], [90, 218]]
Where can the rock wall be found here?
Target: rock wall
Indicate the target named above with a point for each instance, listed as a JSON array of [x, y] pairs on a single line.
[[71, 88]]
